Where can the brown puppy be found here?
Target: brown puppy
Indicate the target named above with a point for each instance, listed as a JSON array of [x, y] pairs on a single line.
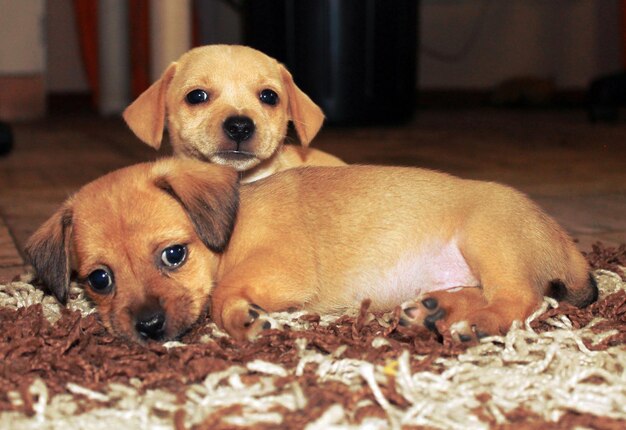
[[231, 105], [153, 242]]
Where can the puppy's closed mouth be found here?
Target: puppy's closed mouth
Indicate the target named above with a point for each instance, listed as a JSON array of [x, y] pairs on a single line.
[[235, 155]]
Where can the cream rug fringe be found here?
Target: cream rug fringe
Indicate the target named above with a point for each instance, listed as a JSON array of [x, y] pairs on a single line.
[[548, 373]]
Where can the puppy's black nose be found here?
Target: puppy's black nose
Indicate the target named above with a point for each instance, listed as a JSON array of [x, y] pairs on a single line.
[[238, 128], [151, 325]]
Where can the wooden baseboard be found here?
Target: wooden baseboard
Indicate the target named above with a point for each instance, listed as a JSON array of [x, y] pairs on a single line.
[[64, 103], [22, 97], [467, 98]]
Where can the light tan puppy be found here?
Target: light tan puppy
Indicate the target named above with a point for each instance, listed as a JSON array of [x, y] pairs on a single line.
[[153, 242], [229, 104]]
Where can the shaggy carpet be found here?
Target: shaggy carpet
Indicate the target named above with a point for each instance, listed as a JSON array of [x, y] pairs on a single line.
[[562, 368]]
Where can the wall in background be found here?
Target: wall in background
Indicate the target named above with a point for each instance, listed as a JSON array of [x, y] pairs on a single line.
[[21, 37], [22, 59], [220, 24], [65, 69], [478, 43], [170, 33], [471, 44]]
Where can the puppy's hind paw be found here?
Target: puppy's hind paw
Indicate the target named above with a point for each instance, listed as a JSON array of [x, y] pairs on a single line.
[[423, 312], [460, 311], [464, 332]]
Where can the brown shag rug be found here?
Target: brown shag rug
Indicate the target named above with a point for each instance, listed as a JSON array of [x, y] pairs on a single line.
[[562, 368]]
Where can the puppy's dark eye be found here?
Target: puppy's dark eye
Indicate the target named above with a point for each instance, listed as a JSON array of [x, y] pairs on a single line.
[[196, 97], [101, 281], [174, 256], [269, 97]]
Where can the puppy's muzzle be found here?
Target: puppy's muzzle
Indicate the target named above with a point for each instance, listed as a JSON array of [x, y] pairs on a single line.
[[150, 323], [238, 128]]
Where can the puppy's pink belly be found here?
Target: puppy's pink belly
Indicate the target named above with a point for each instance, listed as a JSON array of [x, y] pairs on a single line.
[[432, 269]]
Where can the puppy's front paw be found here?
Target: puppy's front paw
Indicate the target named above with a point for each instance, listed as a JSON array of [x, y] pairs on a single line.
[[422, 312], [244, 320]]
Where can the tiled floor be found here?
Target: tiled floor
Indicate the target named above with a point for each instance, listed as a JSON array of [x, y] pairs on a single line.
[[574, 169]]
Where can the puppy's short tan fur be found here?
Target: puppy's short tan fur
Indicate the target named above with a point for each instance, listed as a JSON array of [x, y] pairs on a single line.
[[233, 78], [316, 238]]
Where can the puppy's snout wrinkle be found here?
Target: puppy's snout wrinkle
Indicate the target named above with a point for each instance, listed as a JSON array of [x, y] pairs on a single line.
[[238, 128], [151, 324]]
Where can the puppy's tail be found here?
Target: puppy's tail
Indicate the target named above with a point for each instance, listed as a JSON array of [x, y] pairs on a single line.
[[572, 281], [581, 296]]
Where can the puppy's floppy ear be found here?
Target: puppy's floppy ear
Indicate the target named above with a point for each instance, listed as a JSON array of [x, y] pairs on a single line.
[[48, 251], [146, 115], [307, 117], [208, 193]]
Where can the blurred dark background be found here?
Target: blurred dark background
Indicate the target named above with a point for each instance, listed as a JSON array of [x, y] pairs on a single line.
[[363, 61]]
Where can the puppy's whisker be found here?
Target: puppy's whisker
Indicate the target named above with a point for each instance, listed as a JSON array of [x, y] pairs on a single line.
[[193, 152]]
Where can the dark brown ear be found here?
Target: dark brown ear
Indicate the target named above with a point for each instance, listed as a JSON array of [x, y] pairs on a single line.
[[210, 195], [307, 117], [146, 115], [48, 251]]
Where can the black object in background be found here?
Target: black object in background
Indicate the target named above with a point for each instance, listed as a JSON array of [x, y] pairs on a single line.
[[6, 139], [605, 96], [357, 59]]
